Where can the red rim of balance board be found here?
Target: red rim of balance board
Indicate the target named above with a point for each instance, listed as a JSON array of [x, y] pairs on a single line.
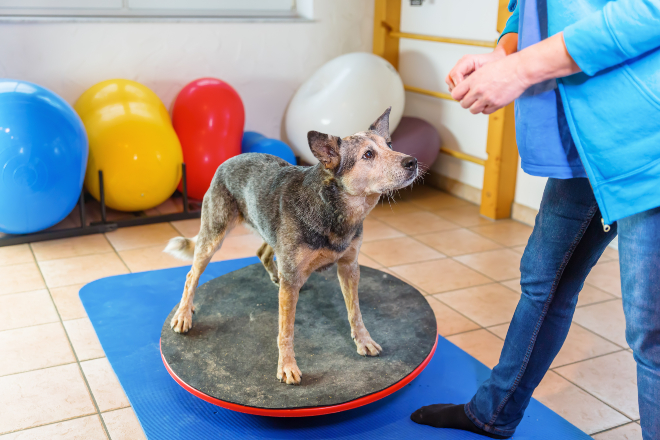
[[309, 411]]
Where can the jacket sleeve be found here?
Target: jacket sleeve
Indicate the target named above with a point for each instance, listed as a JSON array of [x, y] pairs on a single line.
[[622, 30], [512, 22]]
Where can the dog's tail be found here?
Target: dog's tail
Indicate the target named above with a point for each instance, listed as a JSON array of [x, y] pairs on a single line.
[[181, 247]]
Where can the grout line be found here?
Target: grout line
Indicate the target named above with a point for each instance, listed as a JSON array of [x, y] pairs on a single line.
[[587, 359], [37, 369], [51, 423], [75, 355], [28, 326], [592, 395], [613, 428]]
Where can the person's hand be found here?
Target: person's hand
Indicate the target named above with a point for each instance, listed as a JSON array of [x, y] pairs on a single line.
[[469, 64], [492, 86]]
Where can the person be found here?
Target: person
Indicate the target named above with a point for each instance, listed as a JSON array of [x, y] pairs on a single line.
[[585, 76]]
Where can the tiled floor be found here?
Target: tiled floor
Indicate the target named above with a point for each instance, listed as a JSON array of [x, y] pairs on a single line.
[[61, 386]]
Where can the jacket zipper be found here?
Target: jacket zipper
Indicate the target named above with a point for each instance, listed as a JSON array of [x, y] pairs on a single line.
[[606, 228]]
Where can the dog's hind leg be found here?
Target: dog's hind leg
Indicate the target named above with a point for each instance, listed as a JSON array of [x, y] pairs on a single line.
[[348, 271], [219, 214], [265, 254]]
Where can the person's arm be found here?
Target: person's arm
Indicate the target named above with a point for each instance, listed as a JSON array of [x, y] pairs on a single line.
[[506, 45], [498, 84], [622, 30]]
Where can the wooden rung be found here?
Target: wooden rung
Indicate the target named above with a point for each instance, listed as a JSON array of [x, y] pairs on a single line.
[[479, 43]]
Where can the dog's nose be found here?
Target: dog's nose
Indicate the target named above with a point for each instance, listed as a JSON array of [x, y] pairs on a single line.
[[409, 163]]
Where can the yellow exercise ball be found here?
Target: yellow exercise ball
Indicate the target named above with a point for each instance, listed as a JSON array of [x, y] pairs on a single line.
[[131, 139]]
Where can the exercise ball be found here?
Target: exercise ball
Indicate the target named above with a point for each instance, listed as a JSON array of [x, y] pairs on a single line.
[[417, 138], [274, 147], [208, 116], [132, 141], [344, 97], [43, 154], [249, 139]]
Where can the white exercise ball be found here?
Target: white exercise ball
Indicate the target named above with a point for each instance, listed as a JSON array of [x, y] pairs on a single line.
[[344, 97]]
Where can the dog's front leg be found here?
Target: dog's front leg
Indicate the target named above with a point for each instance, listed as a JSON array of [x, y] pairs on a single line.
[[348, 271], [287, 368]]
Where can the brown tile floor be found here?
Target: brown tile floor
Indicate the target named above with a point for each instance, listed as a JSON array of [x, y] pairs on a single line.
[[55, 373]]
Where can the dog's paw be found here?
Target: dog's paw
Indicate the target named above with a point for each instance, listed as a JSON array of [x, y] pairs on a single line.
[[367, 346], [275, 279], [181, 321], [289, 372]]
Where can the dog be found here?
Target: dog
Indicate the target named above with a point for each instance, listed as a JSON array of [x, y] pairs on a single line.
[[309, 217]]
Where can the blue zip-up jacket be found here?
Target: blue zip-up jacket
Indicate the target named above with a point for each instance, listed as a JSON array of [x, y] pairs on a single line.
[[613, 106]]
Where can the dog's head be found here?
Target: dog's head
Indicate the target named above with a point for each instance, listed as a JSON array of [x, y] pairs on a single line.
[[364, 162]]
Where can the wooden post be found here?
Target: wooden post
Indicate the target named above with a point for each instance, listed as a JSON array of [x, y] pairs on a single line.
[[387, 18], [499, 186]]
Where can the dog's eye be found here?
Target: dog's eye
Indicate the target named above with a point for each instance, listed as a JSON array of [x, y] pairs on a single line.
[[389, 144], [368, 155]]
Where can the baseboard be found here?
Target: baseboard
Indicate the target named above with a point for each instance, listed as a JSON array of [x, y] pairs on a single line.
[[524, 214], [453, 187]]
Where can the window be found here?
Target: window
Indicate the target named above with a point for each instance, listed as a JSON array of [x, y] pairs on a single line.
[[148, 8]]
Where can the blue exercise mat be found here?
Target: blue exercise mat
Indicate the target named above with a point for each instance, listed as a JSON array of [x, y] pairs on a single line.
[[128, 312]]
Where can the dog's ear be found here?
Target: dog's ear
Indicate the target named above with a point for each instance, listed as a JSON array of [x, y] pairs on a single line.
[[325, 148], [382, 124]]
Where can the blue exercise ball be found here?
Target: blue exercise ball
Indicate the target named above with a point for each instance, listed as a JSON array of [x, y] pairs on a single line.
[[274, 147], [249, 139], [43, 157]]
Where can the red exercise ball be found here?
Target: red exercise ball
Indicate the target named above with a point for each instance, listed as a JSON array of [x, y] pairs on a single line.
[[208, 116]]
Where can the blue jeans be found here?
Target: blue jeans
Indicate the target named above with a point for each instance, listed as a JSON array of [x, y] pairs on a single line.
[[567, 240]]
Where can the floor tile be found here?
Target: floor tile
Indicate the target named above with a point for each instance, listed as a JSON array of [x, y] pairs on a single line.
[[605, 319], [387, 209], [67, 301], [43, 396], [609, 254], [505, 232], [84, 339], [150, 258], [519, 249], [437, 201], [465, 216], [31, 348], [26, 309], [440, 275], [188, 228], [450, 321], [513, 285], [122, 424], [582, 344], [71, 247], [486, 305], [480, 344], [377, 230], [141, 236], [363, 260], [170, 206], [458, 242], [606, 276], [499, 330], [500, 265], [591, 294], [81, 270], [611, 378], [17, 254], [241, 246], [397, 251], [418, 223], [575, 405], [83, 428], [21, 277], [104, 384], [631, 431]]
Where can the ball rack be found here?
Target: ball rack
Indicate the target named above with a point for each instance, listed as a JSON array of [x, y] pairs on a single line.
[[139, 218]]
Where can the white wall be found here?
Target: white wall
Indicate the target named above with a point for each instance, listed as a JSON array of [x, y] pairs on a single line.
[[264, 61]]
